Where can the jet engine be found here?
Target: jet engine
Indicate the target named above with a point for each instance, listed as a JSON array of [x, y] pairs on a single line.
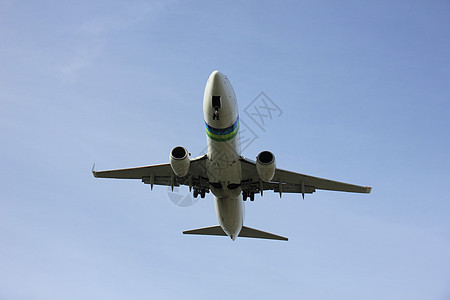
[[265, 165], [179, 161]]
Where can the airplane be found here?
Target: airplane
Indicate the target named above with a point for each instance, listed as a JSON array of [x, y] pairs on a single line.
[[231, 177]]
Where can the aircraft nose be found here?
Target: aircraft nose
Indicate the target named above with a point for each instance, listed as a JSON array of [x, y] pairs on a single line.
[[216, 76], [217, 81]]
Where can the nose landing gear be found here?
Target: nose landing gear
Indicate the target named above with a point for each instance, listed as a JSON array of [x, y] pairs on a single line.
[[216, 114], [216, 104]]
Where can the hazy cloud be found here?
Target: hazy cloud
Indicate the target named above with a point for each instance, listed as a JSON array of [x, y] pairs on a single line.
[[94, 33]]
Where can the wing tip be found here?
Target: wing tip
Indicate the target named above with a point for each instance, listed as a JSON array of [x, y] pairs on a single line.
[[368, 189]]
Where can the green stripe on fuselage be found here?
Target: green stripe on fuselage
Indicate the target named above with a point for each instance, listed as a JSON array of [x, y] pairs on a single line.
[[222, 138]]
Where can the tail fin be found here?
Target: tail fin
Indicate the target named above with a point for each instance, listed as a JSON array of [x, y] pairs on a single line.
[[245, 232]]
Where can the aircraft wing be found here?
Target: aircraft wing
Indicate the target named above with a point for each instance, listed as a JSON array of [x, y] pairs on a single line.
[[162, 174], [291, 182]]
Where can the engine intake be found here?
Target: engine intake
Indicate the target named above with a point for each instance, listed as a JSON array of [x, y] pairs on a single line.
[[179, 161], [265, 165]]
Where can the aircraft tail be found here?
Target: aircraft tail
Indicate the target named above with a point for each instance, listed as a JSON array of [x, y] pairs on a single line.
[[245, 232]]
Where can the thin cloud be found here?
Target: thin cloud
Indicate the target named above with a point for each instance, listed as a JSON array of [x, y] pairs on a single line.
[[84, 55], [94, 33], [126, 19]]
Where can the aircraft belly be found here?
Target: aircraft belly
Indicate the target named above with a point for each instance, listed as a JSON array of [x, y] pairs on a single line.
[[223, 165], [224, 168]]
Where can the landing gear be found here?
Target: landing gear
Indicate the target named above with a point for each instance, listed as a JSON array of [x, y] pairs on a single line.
[[216, 115], [199, 192], [250, 195], [216, 104]]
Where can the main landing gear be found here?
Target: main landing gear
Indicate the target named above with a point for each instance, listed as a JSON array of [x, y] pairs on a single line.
[[199, 192], [250, 195]]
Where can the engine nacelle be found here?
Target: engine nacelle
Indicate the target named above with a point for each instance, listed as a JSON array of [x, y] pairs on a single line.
[[179, 161], [265, 165]]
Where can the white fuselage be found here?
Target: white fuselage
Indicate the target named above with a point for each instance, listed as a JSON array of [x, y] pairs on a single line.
[[223, 165]]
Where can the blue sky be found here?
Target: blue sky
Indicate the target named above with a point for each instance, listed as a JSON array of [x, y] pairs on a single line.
[[364, 90]]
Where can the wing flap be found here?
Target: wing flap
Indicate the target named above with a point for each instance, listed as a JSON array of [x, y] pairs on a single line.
[[162, 174], [292, 182], [318, 183]]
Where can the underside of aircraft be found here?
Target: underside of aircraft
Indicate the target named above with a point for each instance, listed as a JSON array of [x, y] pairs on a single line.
[[231, 177]]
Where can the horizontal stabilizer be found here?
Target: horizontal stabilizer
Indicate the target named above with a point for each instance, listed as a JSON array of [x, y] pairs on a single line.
[[258, 234], [245, 232], [213, 230]]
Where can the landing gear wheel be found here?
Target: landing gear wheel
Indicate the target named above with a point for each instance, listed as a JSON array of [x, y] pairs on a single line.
[[244, 195], [202, 194], [252, 196], [195, 193]]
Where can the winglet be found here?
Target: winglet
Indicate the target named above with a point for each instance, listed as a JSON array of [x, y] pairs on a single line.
[[93, 170]]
